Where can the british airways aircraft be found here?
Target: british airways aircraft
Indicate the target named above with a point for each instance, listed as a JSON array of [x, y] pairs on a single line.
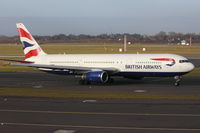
[[100, 68]]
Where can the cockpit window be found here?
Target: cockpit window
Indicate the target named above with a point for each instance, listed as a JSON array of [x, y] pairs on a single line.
[[183, 61]]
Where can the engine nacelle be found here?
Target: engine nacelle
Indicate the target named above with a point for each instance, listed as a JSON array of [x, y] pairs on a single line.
[[96, 77]]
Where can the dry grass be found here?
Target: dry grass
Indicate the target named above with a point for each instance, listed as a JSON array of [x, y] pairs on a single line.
[[95, 48]]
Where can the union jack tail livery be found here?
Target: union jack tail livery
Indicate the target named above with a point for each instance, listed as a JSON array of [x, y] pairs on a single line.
[[30, 46]]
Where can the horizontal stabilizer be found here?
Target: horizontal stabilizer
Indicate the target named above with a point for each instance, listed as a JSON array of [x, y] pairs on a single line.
[[20, 61]]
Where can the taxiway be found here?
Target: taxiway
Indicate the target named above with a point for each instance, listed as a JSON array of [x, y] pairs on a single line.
[[53, 115]]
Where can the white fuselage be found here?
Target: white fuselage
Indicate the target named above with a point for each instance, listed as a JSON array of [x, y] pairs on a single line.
[[99, 68], [126, 63]]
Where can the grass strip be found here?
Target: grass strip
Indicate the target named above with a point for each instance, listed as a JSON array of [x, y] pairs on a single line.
[[44, 93], [103, 48]]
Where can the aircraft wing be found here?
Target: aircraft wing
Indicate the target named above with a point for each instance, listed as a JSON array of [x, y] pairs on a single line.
[[72, 68]]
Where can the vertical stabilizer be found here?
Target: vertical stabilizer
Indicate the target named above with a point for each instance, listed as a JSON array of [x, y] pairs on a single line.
[[30, 46]]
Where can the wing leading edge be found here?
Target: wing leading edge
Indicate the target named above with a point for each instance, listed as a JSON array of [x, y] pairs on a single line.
[[71, 68]]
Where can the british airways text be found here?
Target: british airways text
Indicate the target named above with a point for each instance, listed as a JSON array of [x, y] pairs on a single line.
[[143, 67]]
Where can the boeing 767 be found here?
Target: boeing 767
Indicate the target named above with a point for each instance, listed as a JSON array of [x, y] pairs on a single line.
[[100, 68]]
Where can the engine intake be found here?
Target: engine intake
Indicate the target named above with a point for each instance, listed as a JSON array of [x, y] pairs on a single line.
[[97, 77]]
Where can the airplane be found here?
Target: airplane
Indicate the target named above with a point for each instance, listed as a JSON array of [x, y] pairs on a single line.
[[101, 68]]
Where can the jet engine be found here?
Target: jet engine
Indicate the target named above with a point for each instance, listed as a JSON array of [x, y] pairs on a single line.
[[96, 77]]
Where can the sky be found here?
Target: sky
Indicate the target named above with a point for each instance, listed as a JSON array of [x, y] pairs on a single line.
[[93, 17]]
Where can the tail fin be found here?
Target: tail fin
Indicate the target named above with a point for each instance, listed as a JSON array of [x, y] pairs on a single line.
[[30, 46]]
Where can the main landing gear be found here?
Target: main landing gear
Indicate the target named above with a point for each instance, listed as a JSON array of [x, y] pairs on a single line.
[[178, 79]]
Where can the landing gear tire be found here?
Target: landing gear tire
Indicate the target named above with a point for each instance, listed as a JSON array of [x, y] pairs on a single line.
[[178, 79], [176, 83]]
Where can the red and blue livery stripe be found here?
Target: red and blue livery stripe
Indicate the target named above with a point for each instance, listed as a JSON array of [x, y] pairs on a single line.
[[26, 35], [166, 59], [26, 44]]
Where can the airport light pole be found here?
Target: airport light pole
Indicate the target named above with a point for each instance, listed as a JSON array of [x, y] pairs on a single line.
[[190, 41], [125, 43]]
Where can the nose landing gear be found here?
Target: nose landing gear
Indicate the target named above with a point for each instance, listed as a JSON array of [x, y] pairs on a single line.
[[178, 79]]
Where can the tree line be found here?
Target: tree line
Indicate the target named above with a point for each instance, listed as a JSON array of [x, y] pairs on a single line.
[[161, 37]]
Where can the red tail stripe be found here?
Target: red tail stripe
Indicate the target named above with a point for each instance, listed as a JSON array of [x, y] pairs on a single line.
[[163, 59], [23, 33], [32, 53]]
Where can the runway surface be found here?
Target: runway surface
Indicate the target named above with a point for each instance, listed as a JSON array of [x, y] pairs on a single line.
[[29, 115], [189, 85], [42, 115]]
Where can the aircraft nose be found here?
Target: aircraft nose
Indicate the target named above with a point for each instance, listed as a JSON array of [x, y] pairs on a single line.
[[190, 67]]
